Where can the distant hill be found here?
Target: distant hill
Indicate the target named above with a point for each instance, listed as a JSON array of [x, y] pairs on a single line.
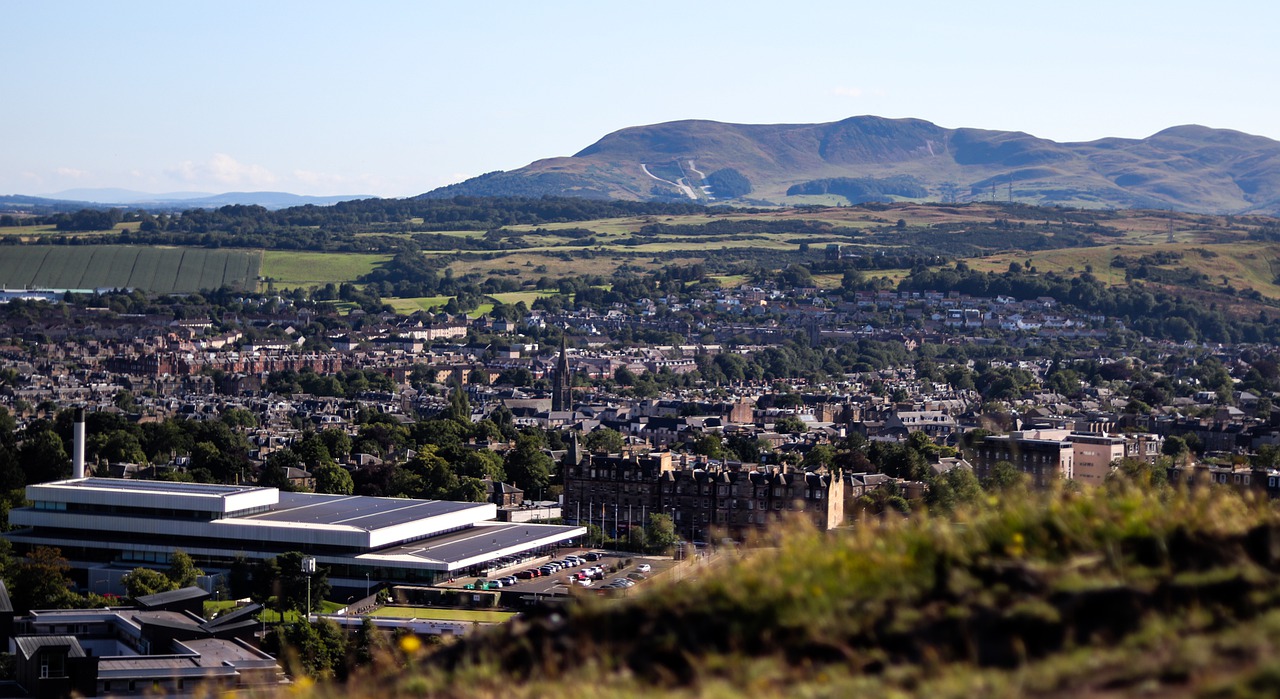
[[867, 158], [113, 195], [188, 200]]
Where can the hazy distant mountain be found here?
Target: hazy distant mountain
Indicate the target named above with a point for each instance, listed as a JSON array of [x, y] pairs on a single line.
[[109, 195], [194, 200], [1191, 168]]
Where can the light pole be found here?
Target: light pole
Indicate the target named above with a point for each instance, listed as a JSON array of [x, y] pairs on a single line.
[[366, 586], [309, 568]]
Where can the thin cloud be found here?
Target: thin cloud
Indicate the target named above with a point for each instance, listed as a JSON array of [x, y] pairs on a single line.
[[225, 170], [847, 91]]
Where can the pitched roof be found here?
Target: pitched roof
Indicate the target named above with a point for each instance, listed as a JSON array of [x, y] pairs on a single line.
[[161, 599], [28, 645]]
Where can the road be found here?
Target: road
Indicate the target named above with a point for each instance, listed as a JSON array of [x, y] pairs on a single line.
[[688, 191]]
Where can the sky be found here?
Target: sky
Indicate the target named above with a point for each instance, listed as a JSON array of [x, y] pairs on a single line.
[[398, 98]]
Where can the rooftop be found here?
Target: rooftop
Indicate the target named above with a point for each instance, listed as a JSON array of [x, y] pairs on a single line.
[[482, 541], [358, 511]]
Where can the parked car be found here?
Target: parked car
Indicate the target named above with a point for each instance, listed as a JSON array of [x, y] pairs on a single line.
[[644, 567]]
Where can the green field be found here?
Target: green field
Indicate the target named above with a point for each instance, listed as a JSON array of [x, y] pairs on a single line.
[[1244, 265], [290, 270], [34, 233], [528, 297], [406, 306], [729, 281], [161, 270], [482, 616]]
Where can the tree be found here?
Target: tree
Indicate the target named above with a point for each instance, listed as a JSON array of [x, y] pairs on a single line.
[[336, 441], [604, 440], [368, 644], [661, 532], [312, 451], [333, 479], [40, 581], [624, 376], [122, 447], [43, 457], [240, 578], [313, 649], [266, 582], [294, 583], [182, 570], [275, 471], [239, 417], [481, 463], [1174, 446], [953, 489], [1140, 472], [427, 475], [819, 455], [789, 424], [1005, 477], [459, 407], [141, 582], [527, 466], [468, 489]]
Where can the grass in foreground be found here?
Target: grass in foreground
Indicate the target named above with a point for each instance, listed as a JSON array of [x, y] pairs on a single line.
[[1107, 593]]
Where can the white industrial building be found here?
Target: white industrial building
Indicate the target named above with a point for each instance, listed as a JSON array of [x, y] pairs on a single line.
[[108, 526]]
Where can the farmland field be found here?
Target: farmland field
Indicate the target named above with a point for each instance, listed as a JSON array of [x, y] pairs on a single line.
[[161, 270], [406, 306], [290, 269], [1244, 265], [528, 297]]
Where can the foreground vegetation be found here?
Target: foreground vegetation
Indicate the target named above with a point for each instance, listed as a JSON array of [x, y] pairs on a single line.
[[1130, 588]]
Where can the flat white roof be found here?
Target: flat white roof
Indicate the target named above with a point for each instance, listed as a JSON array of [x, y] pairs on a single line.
[[199, 497]]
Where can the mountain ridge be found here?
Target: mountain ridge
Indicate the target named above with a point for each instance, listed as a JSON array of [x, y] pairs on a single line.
[[1188, 167], [115, 197]]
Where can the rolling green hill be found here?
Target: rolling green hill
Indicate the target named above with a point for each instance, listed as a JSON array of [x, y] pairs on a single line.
[[1188, 168]]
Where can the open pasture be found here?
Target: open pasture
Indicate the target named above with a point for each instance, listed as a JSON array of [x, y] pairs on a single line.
[[289, 269]]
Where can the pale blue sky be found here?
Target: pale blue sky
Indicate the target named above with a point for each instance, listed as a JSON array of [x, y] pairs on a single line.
[[397, 98]]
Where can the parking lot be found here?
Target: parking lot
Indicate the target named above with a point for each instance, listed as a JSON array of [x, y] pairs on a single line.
[[559, 582]]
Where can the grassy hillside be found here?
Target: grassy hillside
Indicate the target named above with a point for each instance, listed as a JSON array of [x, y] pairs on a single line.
[[1189, 168], [1119, 591]]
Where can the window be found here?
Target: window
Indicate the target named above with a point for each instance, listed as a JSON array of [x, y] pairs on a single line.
[[52, 664]]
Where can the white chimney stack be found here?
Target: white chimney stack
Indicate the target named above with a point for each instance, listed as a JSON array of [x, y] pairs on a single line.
[[77, 441]]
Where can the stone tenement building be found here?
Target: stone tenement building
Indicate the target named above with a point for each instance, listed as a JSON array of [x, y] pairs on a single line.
[[617, 492], [1045, 455]]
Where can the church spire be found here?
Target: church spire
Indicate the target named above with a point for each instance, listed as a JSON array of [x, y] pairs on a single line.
[[562, 383]]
